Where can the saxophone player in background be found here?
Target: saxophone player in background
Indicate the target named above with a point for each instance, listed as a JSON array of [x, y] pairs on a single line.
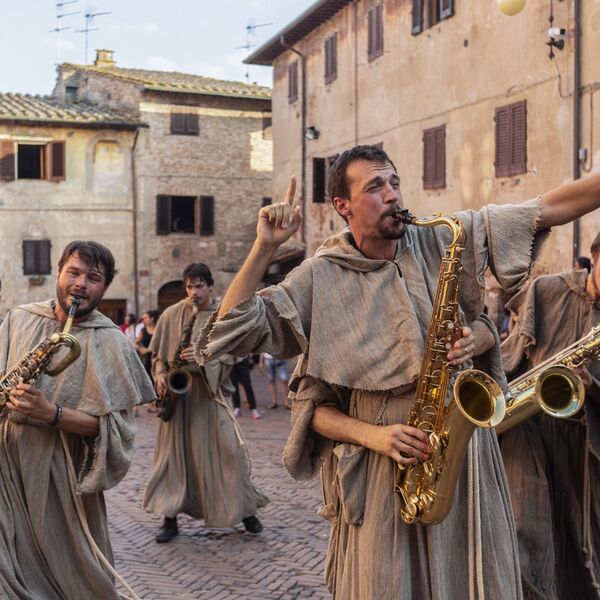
[[65, 439], [358, 312], [552, 465], [201, 464]]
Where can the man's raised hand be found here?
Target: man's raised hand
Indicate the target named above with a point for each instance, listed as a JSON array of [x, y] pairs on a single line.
[[277, 223]]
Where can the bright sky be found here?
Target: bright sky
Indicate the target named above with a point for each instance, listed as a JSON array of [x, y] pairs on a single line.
[[192, 36]]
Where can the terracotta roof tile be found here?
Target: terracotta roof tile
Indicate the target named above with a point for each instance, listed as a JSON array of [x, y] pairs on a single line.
[[46, 109], [168, 81]]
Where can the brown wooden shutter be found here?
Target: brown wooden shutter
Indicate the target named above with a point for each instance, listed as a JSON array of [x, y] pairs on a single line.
[[192, 126], [36, 257], [446, 9], [331, 58], [417, 17], [293, 82], [428, 158], [375, 32], [440, 157], [319, 180], [207, 215], [7, 160], [56, 155], [518, 114], [178, 123], [503, 139], [163, 215]]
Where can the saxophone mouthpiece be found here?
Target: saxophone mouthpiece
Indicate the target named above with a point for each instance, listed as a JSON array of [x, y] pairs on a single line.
[[74, 306], [404, 215]]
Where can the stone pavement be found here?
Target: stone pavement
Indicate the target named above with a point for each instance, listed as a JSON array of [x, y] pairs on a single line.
[[284, 562]]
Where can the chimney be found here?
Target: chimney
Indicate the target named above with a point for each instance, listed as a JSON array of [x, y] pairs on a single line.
[[104, 58]]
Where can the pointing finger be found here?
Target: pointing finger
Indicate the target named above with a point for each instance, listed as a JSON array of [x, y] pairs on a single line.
[[291, 191]]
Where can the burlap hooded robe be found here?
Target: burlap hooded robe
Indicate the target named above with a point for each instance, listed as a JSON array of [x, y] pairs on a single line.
[[360, 325], [201, 462], [44, 554], [552, 465]]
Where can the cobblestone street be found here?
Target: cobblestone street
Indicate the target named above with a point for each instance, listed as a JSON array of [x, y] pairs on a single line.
[[284, 562]]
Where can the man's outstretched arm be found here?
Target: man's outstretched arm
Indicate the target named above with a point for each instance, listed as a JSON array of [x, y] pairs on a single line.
[[570, 201], [276, 224]]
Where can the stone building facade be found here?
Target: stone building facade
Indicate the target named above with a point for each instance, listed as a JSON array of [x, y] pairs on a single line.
[[464, 99], [65, 174], [202, 167]]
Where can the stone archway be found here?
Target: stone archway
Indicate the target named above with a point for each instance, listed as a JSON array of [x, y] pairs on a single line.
[[170, 293]]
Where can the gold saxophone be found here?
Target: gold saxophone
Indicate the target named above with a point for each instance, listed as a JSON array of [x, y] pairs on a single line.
[[552, 386], [36, 362], [427, 488], [179, 379]]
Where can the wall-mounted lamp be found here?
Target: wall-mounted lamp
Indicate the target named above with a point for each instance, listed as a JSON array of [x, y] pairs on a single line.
[[312, 133], [510, 7]]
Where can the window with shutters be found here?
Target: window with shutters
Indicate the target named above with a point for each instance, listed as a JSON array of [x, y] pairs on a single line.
[[293, 82], [184, 123], [185, 215], [375, 32], [36, 257], [427, 13], [32, 161], [511, 139], [434, 158], [331, 58]]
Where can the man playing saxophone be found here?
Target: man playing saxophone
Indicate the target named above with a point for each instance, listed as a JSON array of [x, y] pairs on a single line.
[[359, 312], [552, 465], [64, 439], [201, 464]]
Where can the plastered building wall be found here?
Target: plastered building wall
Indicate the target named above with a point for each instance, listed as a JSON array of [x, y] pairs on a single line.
[[455, 73]]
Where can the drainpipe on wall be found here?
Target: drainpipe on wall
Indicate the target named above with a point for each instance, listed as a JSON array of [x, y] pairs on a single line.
[[136, 283], [576, 114], [303, 127]]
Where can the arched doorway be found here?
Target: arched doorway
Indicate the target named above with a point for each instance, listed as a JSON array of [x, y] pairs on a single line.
[[170, 293]]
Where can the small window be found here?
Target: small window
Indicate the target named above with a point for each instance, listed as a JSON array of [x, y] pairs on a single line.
[[267, 201], [375, 32], [331, 58], [185, 124], [427, 13], [36, 257], [434, 158], [175, 214], [511, 139], [71, 93], [32, 161], [293, 82]]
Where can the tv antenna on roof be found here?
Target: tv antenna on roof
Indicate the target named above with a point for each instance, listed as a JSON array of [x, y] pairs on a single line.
[[89, 16], [250, 31], [61, 15]]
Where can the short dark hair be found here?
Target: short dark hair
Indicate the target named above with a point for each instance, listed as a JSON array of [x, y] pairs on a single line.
[[93, 255], [584, 263], [198, 271], [595, 248], [337, 185], [153, 314]]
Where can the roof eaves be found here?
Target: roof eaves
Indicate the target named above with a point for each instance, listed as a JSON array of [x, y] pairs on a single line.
[[14, 120], [301, 26], [173, 90]]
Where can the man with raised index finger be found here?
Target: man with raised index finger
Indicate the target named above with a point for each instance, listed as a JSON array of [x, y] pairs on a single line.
[[358, 313]]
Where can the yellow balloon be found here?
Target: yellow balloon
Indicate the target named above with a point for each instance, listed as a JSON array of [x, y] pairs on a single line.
[[510, 7]]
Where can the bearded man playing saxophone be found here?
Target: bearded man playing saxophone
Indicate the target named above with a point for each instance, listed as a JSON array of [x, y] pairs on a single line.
[[65, 439], [358, 312]]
